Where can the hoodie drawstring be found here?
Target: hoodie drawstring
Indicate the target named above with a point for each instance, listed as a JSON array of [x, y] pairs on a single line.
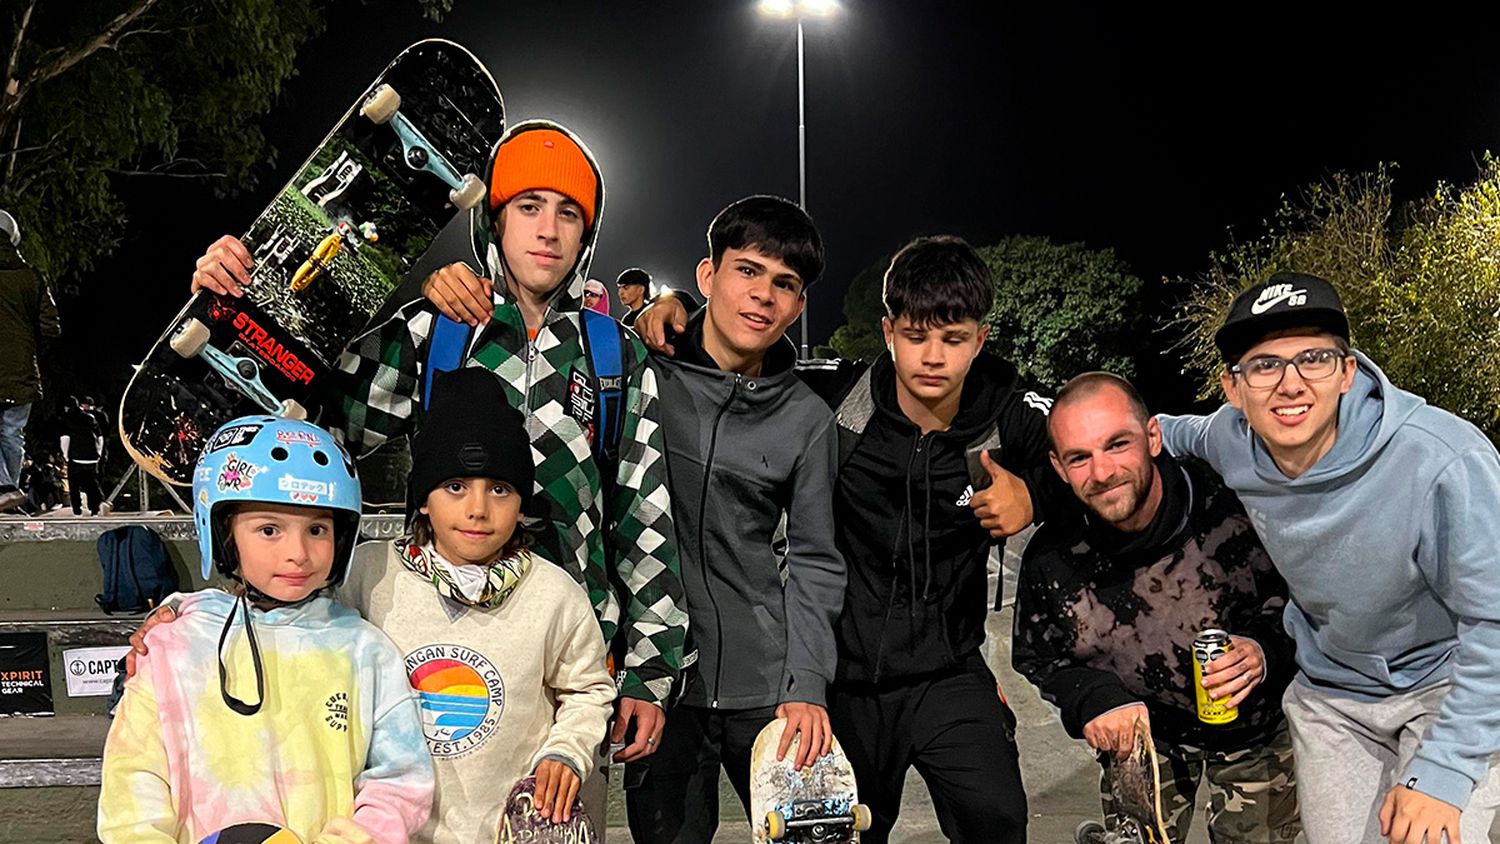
[[260, 677], [911, 551]]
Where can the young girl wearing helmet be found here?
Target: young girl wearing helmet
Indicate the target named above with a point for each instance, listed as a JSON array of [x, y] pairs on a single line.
[[267, 701]]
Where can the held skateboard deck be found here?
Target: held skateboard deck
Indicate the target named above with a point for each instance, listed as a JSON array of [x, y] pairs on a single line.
[[520, 823], [1135, 791], [334, 242], [815, 805], [251, 833]]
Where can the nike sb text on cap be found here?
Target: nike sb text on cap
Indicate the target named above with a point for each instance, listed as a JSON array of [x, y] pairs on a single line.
[[1286, 300]]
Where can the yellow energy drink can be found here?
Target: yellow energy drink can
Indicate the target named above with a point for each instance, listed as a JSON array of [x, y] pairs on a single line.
[[1207, 647]]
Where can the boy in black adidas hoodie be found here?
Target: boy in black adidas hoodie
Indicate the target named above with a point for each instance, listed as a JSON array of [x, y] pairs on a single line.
[[918, 504]]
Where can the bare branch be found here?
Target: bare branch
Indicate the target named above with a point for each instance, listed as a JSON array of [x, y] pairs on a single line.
[[107, 38], [15, 49], [10, 164], [162, 174]]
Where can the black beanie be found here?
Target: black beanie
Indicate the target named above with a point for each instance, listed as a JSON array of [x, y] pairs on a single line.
[[469, 430]]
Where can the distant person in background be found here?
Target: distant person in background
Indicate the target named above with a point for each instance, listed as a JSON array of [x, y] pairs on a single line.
[[28, 320], [42, 483], [633, 286], [101, 421], [596, 296], [82, 445]]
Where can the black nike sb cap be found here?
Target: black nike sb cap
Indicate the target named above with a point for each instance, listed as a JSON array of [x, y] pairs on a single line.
[[1285, 300]]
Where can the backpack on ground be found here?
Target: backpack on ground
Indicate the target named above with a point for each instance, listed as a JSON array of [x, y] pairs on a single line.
[[138, 576]]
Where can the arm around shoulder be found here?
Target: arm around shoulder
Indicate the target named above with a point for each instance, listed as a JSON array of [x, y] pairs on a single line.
[[645, 545], [377, 383], [1188, 435]]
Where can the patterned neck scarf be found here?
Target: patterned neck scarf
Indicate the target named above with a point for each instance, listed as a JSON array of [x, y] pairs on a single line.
[[503, 575]]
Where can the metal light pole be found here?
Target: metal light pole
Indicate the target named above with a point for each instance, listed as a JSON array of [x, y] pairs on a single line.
[[801, 165], [800, 9]]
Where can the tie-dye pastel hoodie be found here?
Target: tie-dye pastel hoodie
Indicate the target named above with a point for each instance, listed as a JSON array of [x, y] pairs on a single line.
[[338, 734]]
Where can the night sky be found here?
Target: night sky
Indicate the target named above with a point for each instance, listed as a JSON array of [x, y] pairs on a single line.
[[1150, 132]]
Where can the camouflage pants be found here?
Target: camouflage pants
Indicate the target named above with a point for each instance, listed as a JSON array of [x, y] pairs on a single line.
[[1252, 793]]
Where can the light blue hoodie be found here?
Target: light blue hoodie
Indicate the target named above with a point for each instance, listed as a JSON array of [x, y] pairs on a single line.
[[1391, 547]]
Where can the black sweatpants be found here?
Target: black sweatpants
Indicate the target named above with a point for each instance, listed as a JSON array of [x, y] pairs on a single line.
[[83, 479], [960, 736], [672, 796]]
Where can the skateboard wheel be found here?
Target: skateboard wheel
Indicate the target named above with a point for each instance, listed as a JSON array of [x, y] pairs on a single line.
[[468, 194], [190, 338], [1090, 832], [862, 817], [292, 409], [775, 825], [382, 105]]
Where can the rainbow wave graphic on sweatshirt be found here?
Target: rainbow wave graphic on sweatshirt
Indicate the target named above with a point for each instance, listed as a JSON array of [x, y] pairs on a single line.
[[453, 698]]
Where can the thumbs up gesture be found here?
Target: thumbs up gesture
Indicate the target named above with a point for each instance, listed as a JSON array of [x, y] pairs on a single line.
[[1004, 507]]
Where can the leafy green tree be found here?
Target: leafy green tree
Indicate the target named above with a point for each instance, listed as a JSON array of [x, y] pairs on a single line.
[[93, 93], [1063, 308], [860, 337], [1420, 282], [1060, 309]]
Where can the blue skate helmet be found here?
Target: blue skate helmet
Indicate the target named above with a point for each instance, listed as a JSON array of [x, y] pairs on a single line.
[[275, 461]]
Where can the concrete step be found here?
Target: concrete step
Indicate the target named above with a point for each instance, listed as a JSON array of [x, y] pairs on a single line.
[[62, 750], [51, 563]]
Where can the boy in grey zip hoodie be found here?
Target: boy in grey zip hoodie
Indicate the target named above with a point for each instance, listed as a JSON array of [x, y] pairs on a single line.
[[747, 443], [1383, 514]]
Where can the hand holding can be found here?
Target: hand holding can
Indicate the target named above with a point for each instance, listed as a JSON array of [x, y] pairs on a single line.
[[1208, 646]]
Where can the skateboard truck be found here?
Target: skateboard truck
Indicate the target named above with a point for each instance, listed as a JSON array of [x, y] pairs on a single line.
[[191, 340], [821, 821], [384, 106]]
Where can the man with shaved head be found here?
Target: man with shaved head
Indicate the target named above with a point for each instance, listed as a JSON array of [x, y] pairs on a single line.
[[1110, 600]]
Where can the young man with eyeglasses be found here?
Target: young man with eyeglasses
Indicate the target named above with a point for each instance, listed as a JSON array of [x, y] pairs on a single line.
[[1383, 514]]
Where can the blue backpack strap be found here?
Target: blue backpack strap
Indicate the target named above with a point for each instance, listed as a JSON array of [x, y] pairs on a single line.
[[445, 351], [601, 342]]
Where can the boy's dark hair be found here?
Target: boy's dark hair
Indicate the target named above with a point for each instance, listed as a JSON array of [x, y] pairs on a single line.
[[773, 226], [938, 280]]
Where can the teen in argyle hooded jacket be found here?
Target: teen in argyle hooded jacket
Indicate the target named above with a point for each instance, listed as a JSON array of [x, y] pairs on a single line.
[[544, 375]]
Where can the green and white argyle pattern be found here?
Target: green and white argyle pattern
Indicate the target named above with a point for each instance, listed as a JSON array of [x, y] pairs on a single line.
[[630, 539]]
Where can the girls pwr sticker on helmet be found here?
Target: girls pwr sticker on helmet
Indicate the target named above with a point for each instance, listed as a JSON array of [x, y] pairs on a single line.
[[237, 475]]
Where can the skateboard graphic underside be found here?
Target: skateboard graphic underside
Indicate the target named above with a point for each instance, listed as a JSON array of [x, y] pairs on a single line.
[[1135, 793], [817, 805], [329, 249], [521, 824]]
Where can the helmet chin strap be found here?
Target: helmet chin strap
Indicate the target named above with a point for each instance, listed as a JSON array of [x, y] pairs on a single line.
[[230, 700], [249, 594]]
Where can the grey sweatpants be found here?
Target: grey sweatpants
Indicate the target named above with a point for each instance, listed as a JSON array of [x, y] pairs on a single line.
[[1349, 753]]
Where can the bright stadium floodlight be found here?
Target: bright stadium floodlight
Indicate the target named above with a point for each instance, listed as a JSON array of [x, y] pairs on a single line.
[[799, 9], [777, 8]]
